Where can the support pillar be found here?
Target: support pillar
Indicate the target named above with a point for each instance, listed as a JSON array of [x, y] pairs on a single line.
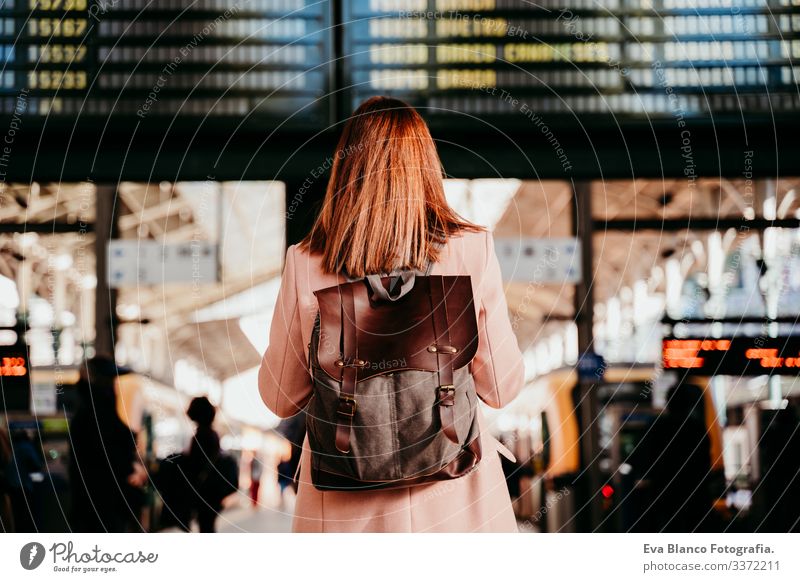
[[105, 306], [587, 402]]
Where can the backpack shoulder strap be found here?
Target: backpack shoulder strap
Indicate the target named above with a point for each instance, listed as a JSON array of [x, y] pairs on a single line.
[[444, 358]]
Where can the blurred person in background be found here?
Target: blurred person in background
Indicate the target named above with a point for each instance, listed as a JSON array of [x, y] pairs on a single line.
[[780, 482], [26, 472], [286, 479], [293, 430], [256, 470], [674, 460], [201, 458], [192, 484], [6, 465], [106, 474], [514, 470]]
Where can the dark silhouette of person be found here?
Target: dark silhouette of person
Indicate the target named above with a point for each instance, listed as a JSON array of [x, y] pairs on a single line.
[[256, 470], [780, 481], [674, 456], [203, 453], [514, 471], [105, 474], [6, 466], [293, 430], [25, 496]]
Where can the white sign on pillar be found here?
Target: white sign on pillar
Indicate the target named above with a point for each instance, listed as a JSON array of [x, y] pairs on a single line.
[[539, 260], [148, 262], [44, 397]]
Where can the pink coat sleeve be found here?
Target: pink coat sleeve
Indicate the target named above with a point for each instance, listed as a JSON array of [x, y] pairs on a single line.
[[497, 368], [283, 378]]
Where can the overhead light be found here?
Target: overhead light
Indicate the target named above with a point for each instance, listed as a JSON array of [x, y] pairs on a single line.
[[770, 209], [128, 311], [27, 239], [68, 319], [769, 405], [63, 262], [8, 337]]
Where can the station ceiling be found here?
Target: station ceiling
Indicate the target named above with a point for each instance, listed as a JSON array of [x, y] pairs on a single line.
[[252, 223]]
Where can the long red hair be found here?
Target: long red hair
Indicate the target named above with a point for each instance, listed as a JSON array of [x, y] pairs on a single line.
[[384, 207]]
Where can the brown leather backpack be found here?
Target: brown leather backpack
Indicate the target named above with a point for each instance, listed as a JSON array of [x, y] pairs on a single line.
[[394, 401]]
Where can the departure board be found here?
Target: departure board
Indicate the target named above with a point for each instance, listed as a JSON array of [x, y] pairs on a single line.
[[166, 58], [237, 84], [15, 377], [737, 356], [659, 58], [212, 58]]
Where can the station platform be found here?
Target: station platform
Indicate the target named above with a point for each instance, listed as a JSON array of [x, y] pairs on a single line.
[[246, 519], [243, 518]]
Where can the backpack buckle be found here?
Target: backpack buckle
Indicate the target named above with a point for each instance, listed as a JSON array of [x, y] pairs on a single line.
[[347, 406], [350, 363], [442, 349], [447, 394]]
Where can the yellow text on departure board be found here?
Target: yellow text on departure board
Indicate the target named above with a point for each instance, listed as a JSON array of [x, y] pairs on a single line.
[[398, 54], [469, 27], [586, 52], [58, 53], [401, 79], [465, 5], [466, 79], [465, 53], [57, 26], [398, 28], [54, 80], [57, 4]]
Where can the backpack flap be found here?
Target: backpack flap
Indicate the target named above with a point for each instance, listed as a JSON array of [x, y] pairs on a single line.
[[400, 334]]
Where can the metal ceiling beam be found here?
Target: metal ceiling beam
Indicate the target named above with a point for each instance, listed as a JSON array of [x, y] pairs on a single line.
[[55, 227], [174, 307], [691, 223]]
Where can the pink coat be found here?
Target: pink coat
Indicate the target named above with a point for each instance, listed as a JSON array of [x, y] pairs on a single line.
[[479, 501]]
